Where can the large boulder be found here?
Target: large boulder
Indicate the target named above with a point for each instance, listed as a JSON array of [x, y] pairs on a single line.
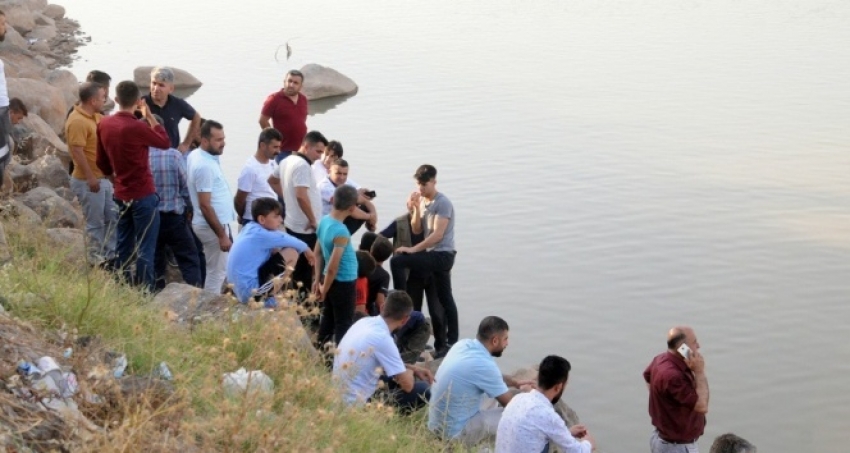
[[67, 83], [20, 63], [54, 12], [35, 133], [12, 210], [49, 172], [54, 210], [71, 241], [22, 176], [41, 19], [187, 305], [42, 99], [42, 32], [19, 16], [13, 38], [182, 79], [323, 82]]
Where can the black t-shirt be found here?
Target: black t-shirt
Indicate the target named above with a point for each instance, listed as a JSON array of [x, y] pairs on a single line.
[[171, 113], [379, 283]]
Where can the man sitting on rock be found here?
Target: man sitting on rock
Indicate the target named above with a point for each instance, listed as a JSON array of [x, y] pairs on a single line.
[[530, 422], [368, 346], [467, 373], [171, 108]]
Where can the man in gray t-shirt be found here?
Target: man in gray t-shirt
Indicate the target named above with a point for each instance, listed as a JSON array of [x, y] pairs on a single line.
[[434, 214]]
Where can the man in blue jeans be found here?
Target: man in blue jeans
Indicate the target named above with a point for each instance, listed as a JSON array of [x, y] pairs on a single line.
[[433, 214], [122, 154]]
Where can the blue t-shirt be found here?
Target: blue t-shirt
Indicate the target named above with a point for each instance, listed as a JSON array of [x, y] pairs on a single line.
[[330, 228], [171, 113], [467, 373], [250, 250]]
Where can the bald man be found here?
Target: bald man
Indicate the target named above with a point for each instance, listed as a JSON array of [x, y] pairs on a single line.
[[678, 394]]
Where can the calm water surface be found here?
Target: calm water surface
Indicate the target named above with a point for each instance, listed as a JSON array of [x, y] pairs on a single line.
[[616, 167]]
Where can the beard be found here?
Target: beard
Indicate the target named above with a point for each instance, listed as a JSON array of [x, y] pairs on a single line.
[[497, 353], [3, 36], [558, 397]]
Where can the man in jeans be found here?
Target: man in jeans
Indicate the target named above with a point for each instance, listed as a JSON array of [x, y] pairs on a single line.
[[122, 152], [213, 203], [92, 189], [433, 213]]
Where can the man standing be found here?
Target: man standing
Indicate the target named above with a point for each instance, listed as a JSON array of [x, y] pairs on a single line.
[[5, 121], [212, 201], [287, 110], [295, 183], [434, 214], [123, 145], [171, 108], [253, 181], [467, 373], [338, 176], [92, 189], [530, 423], [678, 393]]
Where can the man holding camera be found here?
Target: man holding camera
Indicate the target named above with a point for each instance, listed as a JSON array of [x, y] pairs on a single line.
[[678, 393]]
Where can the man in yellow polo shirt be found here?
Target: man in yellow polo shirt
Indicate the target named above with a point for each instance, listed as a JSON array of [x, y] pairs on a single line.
[[93, 190]]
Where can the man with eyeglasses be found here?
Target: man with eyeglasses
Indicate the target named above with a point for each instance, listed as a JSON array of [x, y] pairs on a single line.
[[286, 111]]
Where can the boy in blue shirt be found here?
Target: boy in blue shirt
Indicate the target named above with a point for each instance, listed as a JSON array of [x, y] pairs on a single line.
[[261, 252]]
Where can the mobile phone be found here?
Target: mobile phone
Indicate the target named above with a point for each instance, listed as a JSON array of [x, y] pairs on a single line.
[[684, 350]]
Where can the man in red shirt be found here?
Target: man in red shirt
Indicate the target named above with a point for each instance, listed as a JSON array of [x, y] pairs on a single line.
[[678, 394], [123, 155], [287, 110]]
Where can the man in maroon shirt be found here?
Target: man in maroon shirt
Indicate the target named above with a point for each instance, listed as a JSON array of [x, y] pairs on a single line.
[[122, 154], [678, 394], [287, 110]]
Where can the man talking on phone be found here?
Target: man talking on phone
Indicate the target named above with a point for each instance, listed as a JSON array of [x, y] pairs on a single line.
[[678, 394]]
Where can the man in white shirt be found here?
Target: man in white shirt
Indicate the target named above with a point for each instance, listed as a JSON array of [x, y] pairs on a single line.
[[294, 182], [5, 121], [321, 167], [530, 423], [365, 212], [253, 181], [367, 346]]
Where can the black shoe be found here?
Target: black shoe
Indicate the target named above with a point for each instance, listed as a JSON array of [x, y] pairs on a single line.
[[440, 353]]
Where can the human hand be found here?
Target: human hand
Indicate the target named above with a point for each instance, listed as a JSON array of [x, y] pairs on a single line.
[[224, 243], [524, 384], [311, 257], [183, 147], [94, 184], [578, 431], [423, 374], [401, 250], [696, 362], [313, 225]]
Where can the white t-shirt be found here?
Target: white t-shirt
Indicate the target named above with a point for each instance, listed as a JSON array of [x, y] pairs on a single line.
[[319, 170], [294, 171], [254, 179], [4, 92], [366, 346]]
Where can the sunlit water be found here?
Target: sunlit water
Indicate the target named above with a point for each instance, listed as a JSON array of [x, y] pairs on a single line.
[[616, 168]]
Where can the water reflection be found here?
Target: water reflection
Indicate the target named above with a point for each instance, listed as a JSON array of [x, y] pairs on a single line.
[[325, 105]]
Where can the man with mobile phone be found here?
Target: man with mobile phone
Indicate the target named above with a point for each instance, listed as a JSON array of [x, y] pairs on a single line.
[[678, 393]]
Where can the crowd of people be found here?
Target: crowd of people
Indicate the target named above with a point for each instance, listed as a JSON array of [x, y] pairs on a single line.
[[150, 198]]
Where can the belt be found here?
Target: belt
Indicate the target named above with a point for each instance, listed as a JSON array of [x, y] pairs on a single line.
[[687, 442]]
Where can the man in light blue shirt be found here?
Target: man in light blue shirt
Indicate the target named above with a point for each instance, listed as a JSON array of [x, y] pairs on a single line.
[[212, 202], [468, 373]]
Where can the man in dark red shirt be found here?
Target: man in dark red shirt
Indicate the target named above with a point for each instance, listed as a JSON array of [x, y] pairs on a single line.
[[287, 110], [123, 155], [678, 394]]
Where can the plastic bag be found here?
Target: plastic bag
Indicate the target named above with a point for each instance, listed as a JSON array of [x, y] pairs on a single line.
[[242, 381]]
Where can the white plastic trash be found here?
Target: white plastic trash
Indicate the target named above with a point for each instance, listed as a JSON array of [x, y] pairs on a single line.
[[242, 381]]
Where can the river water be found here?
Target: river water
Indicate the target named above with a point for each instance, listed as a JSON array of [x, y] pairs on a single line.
[[617, 167]]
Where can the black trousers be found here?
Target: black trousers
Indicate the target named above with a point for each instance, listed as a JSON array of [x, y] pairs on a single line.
[[303, 271], [423, 284], [337, 312], [176, 235], [438, 264]]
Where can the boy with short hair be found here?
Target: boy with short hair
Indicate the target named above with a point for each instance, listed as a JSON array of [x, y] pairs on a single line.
[[379, 282], [261, 252]]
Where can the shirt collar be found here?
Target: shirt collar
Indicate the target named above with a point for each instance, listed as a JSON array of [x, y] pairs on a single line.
[[306, 159]]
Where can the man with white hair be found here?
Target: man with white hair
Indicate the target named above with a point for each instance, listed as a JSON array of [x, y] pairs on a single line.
[[171, 108]]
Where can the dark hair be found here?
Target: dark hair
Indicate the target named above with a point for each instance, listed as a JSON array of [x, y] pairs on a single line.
[[295, 73], [554, 370], [397, 306], [335, 147], [340, 163], [382, 249], [99, 77], [367, 240], [425, 173], [358, 315], [17, 105], [264, 206], [365, 264], [127, 93], [88, 90], [730, 443], [208, 126], [677, 339], [490, 327], [268, 134], [345, 197], [314, 137]]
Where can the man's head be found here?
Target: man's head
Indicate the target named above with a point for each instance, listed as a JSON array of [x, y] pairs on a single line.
[[162, 83], [338, 172], [382, 249], [17, 110], [345, 198], [679, 335], [266, 212], [313, 145], [100, 78], [92, 96], [426, 179], [212, 137], [397, 308], [493, 334], [552, 377], [2, 26], [730, 443], [332, 152], [268, 145], [367, 240], [292, 82], [127, 94]]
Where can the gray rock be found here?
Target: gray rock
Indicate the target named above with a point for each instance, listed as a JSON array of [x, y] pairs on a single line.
[[5, 252], [41, 19], [54, 12], [42, 32], [36, 5], [19, 16], [14, 38], [12, 210], [50, 172], [187, 305], [66, 193], [70, 241], [39, 139], [42, 99], [182, 78], [323, 82], [67, 83], [22, 176], [40, 46], [54, 210]]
